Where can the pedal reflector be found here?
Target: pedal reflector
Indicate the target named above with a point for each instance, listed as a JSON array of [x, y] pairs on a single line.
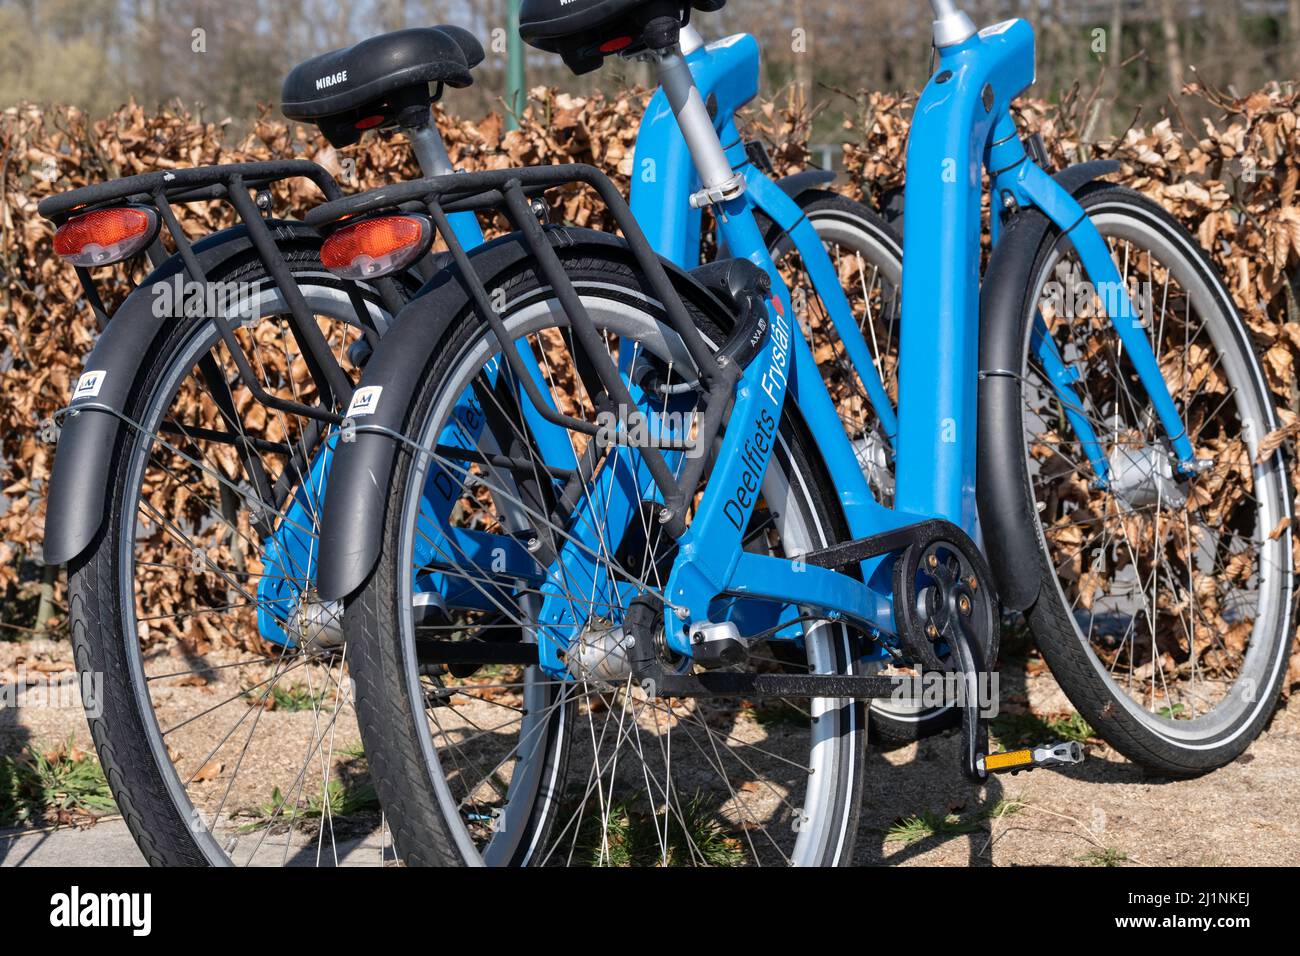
[[1006, 761], [1050, 755]]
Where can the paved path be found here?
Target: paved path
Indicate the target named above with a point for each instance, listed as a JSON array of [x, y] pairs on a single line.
[[107, 843], [1107, 810]]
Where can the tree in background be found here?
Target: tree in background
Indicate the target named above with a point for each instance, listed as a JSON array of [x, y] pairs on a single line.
[[228, 55]]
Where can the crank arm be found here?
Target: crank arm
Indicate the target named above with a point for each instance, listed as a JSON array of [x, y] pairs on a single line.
[[974, 729], [977, 762]]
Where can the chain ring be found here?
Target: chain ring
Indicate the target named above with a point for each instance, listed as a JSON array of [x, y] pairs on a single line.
[[942, 582]]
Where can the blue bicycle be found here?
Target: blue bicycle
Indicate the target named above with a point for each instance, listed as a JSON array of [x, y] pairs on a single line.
[[196, 451], [615, 576]]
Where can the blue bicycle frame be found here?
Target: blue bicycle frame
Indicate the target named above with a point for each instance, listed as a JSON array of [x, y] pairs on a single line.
[[962, 125], [728, 70]]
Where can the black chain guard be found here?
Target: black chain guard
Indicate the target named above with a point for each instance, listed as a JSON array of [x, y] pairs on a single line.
[[941, 583]]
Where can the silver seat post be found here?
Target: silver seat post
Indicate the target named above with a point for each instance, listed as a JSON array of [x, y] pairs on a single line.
[[430, 150], [690, 39], [720, 181], [951, 25]]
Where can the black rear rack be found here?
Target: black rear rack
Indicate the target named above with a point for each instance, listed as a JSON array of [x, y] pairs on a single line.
[[233, 183], [509, 191], [193, 184]]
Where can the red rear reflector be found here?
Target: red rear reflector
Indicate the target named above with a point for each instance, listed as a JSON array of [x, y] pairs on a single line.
[[375, 247], [370, 122], [105, 236], [616, 44]]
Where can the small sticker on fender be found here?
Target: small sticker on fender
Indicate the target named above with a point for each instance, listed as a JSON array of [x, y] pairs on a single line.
[[89, 384], [997, 29], [365, 401]]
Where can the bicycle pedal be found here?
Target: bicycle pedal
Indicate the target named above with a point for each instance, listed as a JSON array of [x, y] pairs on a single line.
[[1063, 754]]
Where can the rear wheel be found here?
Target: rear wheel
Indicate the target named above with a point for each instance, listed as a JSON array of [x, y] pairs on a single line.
[[479, 763], [225, 723]]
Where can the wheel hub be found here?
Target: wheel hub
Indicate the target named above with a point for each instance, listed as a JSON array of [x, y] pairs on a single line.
[[873, 456], [316, 624], [601, 652], [1143, 477]]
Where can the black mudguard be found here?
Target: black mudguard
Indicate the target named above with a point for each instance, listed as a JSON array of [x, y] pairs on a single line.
[[356, 495], [80, 478], [798, 183], [1005, 508]]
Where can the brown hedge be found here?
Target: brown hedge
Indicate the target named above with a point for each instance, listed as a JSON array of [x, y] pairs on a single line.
[[1233, 181]]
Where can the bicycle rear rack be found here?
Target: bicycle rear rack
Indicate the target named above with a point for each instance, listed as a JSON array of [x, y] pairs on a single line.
[[233, 183], [510, 192]]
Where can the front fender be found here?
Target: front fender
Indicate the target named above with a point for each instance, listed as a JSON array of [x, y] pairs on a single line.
[[91, 431], [1005, 506], [797, 183]]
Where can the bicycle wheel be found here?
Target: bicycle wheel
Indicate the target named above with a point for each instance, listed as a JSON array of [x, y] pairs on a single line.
[[868, 257], [225, 724], [1164, 607], [530, 769]]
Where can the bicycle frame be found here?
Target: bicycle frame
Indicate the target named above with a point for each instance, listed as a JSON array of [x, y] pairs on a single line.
[[711, 566], [728, 71], [962, 125]]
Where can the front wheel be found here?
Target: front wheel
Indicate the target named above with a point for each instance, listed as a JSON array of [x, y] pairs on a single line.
[[1164, 605]]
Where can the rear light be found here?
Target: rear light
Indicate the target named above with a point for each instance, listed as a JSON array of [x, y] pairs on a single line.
[[106, 236], [376, 247]]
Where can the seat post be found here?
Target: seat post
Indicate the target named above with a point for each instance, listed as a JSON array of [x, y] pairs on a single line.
[[720, 181], [430, 150], [952, 27], [690, 39]]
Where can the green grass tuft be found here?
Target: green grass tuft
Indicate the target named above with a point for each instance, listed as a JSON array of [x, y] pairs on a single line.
[[40, 786], [1022, 730], [1006, 807], [926, 825], [291, 699], [632, 837], [341, 799], [1107, 857]]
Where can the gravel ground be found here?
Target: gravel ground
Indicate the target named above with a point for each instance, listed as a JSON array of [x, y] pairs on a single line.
[[1106, 810]]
